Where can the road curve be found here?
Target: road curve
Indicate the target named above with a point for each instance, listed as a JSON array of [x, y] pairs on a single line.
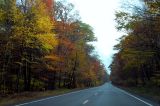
[[105, 95]]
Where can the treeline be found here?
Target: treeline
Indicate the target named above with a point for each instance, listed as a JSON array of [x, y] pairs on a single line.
[[137, 62], [43, 49]]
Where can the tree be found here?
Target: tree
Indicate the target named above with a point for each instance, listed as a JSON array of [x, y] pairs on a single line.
[[29, 37], [40, 52], [138, 50]]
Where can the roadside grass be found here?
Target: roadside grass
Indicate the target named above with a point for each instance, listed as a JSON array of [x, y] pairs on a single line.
[[23, 97], [152, 93], [29, 96]]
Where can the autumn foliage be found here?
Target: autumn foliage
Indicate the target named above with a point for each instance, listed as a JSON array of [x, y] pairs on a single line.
[[39, 53], [137, 61]]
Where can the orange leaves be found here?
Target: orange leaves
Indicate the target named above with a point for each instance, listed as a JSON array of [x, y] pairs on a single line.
[[53, 58], [54, 62], [49, 4], [68, 44]]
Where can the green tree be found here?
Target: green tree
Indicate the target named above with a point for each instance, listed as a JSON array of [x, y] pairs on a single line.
[[139, 49]]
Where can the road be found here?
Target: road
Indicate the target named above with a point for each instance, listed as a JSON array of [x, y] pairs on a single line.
[[105, 95]]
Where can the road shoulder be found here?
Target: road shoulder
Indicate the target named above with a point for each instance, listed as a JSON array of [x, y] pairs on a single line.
[[143, 95]]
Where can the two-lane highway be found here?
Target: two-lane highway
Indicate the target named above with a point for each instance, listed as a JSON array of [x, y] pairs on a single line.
[[105, 95]]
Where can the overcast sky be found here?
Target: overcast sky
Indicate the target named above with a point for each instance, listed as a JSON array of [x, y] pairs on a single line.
[[100, 15]]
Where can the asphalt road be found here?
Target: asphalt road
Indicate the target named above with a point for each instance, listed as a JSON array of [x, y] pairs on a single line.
[[105, 95]]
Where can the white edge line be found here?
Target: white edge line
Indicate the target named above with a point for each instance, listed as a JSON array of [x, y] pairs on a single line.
[[86, 101], [135, 97], [53, 97]]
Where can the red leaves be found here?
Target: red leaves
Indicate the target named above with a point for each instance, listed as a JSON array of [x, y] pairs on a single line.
[[49, 4]]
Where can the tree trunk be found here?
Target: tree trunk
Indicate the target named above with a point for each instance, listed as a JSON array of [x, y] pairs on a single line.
[[59, 79]]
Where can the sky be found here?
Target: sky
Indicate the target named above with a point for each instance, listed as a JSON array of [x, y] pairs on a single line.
[[100, 14]]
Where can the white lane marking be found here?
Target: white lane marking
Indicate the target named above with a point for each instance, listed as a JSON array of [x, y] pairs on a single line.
[[135, 97], [54, 97], [86, 101]]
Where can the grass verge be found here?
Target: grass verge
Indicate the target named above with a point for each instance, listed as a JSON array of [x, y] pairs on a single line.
[[29, 96], [152, 93]]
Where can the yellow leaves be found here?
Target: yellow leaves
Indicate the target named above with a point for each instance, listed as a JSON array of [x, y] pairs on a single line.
[[54, 62], [53, 58], [89, 74], [48, 40], [39, 19], [1, 15], [44, 24]]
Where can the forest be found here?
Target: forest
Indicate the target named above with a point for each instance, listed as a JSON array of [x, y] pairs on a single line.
[[45, 48], [137, 62]]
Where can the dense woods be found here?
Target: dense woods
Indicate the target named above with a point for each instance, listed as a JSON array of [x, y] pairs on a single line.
[[44, 49], [137, 62]]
